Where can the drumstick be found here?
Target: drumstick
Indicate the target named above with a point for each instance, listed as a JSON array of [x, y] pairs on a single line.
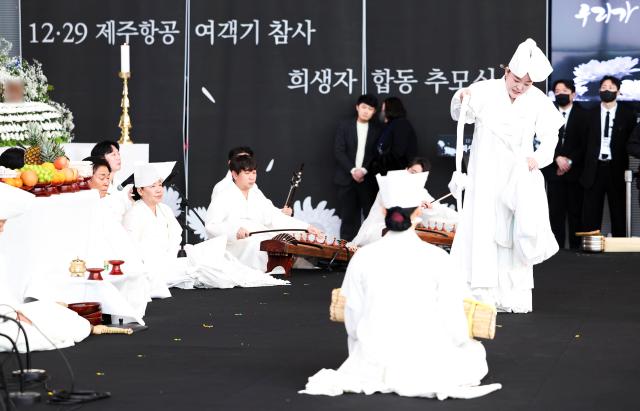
[[278, 230], [442, 198]]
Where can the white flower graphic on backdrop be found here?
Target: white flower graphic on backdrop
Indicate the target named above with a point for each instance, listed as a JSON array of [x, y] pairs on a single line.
[[194, 222], [630, 90], [618, 67], [320, 217], [172, 199]]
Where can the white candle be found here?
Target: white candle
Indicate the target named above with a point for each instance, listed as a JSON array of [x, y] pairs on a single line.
[[124, 58]]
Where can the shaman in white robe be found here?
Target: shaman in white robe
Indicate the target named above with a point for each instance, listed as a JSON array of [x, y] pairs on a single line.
[[230, 211], [485, 237], [208, 265], [372, 227], [407, 331]]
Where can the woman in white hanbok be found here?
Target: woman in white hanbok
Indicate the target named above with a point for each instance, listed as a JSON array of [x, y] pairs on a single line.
[[504, 225], [432, 212], [158, 236], [404, 314]]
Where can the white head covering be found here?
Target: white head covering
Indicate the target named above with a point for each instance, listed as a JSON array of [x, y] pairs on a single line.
[[529, 59], [145, 175], [401, 189], [14, 201]]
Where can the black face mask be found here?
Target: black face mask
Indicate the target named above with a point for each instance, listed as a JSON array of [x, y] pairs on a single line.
[[562, 99], [607, 96]]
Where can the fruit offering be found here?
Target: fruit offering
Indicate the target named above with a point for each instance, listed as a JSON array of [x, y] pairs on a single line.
[[43, 172]]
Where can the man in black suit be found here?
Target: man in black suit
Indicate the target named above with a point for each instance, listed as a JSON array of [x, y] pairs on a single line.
[[606, 159], [564, 192], [353, 149]]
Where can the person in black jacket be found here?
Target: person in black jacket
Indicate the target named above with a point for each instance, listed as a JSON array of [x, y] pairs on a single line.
[[398, 142], [564, 192], [606, 159], [353, 149]]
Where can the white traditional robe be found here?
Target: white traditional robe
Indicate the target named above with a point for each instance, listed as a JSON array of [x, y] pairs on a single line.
[[230, 211], [60, 325], [208, 265], [158, 237], [225, 183], [372, 227], [109, 240], [502, 141], [407, 331]]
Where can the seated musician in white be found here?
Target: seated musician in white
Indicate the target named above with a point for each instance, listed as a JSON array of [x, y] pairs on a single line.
[[241, 209], [372, 227], [158, 235], [228, 180], [60, 325], [405, 321]]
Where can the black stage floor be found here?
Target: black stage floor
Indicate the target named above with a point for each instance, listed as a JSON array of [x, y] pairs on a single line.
[[252, 349]]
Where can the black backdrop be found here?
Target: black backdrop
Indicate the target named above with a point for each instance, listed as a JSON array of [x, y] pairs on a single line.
[[423, 46]]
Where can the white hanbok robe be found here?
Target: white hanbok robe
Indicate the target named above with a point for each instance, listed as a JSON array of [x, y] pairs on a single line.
[[157, 237], [109, 240], [225, 183], [208, 264], [230, 211], [485, 237], [407, 331], [60, 325], [372, 227]]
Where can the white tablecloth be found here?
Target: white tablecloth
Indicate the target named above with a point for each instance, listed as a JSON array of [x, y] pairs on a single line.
[[79, 290], [43, 242], [38, 247]]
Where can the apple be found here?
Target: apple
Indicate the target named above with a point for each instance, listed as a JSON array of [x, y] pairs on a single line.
[[61, 162]]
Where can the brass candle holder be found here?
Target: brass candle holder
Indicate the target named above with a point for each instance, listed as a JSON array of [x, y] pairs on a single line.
[[125, 120]]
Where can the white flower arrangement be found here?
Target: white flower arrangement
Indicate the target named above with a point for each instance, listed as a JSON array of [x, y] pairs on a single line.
[[55, 118], [618, 67], [16, 117]]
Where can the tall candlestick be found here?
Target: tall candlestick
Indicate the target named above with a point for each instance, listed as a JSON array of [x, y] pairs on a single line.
[[124, 58]]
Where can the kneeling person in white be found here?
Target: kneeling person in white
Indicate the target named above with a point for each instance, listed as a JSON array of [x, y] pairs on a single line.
[[241, 209], [404, 316]]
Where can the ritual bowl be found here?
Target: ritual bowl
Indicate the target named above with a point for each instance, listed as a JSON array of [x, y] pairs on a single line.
[[94, 273], [115, 269], [93, 316], [85, 308]]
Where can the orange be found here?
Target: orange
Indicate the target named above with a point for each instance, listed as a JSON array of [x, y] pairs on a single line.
[[29, 178]]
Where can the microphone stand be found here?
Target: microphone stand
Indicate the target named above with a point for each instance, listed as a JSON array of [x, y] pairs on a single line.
[[185, 204], [23, 397]]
